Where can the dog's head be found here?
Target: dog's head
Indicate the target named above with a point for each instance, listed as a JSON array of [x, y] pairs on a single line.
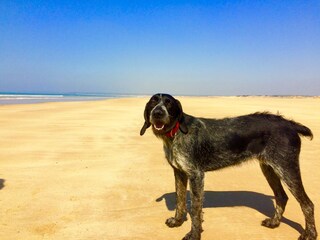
[[162, 112]]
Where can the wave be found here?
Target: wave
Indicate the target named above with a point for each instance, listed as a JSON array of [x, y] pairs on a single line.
[[21, 97], [25, 98]]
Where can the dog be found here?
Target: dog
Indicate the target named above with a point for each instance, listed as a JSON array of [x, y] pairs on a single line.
[[194, 146]]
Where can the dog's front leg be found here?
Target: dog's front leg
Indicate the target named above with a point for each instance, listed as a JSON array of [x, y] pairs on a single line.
[[196, 189], [181, 181]]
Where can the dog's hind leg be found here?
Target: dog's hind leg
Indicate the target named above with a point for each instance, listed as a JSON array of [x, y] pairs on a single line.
[[292, 178], [279, 193]]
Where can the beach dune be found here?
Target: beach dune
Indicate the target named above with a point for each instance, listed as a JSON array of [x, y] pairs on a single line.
[[80, 170]]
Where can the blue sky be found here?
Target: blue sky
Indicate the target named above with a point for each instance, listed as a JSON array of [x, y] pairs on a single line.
[[143, 47]]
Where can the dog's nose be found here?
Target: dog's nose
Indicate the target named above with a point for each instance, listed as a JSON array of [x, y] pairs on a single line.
[[158, 113]]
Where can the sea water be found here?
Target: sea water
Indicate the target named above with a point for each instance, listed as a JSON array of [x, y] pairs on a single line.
[[26, 98]]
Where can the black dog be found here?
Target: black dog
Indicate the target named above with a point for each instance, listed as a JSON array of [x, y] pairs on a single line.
[[195, 145]]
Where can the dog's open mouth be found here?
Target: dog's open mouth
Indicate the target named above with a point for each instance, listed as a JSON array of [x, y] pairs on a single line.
[[158, 126]]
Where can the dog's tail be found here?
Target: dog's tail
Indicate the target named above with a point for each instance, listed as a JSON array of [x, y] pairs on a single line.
[[302, 130], [297, 127]]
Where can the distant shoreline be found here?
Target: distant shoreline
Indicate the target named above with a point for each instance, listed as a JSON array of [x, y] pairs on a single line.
[[30, 98], [7, 98]]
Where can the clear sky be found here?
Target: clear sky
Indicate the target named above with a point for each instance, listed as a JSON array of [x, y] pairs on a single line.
[[179, 47]]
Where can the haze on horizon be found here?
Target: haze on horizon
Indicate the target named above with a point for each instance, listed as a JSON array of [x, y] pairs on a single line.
[[142, 47]]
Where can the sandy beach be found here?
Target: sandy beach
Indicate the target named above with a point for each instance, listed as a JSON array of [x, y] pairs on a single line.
[[80, 170]]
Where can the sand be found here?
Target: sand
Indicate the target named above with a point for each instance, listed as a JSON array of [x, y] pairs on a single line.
[[80, 170]]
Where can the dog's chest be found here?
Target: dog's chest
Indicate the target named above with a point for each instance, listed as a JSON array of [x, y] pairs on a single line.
[[169, 156], [175, 158]]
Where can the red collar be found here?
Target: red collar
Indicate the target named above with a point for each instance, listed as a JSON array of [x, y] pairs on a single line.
[[173, 131]]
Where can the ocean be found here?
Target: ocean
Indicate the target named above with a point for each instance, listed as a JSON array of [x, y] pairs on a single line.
[[27, 98]]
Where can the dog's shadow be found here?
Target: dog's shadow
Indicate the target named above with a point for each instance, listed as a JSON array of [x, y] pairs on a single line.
[[215, 199], [2, 181]]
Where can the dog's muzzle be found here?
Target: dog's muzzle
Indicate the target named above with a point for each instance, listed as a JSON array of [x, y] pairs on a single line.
[[159, 118]]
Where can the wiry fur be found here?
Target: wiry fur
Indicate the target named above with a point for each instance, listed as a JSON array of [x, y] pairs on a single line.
[[210, 144]]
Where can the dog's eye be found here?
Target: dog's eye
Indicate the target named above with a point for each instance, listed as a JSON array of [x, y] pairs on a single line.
[[167, 101], [155, 99]]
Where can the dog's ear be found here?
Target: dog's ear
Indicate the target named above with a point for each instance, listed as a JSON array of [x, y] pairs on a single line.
[[144, 128], [147, 123], [183, 126]]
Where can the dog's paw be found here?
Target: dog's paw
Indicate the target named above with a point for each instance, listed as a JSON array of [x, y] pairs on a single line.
[[192, 236], [270, 223], [173, 222], [308, 235]]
